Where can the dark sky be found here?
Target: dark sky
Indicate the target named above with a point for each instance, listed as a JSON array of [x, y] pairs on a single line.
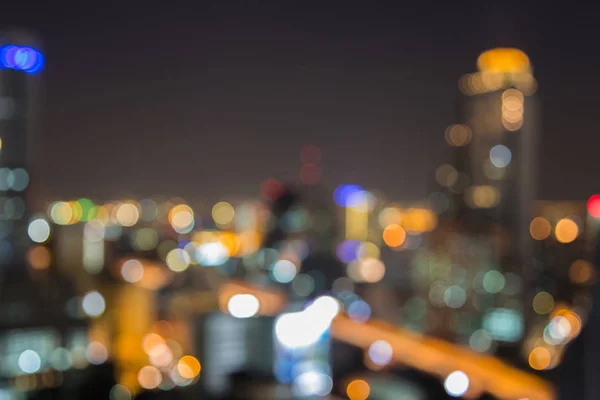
[[210, 99]]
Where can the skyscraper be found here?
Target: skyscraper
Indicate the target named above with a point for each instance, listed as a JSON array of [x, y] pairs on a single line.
[[492, 186], [499, 157], [19, 63], [33, 322]]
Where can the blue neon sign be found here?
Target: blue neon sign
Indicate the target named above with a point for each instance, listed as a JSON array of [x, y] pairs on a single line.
[[21, 58]]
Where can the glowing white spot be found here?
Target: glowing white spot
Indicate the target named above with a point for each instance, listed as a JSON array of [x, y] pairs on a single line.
[[243, 305], [312, 383], [284, 271], [325, 306], [39, 230], [212, 254], [456, 384], [93, 304], [29, 362], [559, 328]]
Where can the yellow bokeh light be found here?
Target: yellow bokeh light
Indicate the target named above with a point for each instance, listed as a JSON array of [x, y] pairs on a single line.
[[419, 220], [181, 218], [76, 212], [566, 230], [512, 99], [512, 126], [127, 214], [61, 213], [389, 215], [512, 109], [492, 80], [223, 213], [476, 84], [230, 241], [540, 228], [178, 260], [483, 196], [394, 235], [504, 60], [368, 250], [358, 390], [189, 367], [103, 214], [249, 242], [582, 272], [543, 303], [458, 135], [539, 358]]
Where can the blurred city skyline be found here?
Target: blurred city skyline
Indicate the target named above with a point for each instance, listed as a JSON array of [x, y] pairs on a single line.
[[236, 91]]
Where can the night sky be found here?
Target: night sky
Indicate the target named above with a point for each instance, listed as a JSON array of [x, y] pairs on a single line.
[[209, 100]]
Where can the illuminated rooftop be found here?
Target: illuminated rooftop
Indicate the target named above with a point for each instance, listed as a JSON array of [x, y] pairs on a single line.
[[504, 60]]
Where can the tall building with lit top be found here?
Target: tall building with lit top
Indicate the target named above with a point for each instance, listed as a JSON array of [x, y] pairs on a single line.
[[479, 253], [20, 62], [33, 322], [497, 144]]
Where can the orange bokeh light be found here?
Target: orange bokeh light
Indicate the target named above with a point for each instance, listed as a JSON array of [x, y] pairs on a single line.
[[189, 367], [566, 230], [540, 228], [394, 235], [358, 390], [39, 257]]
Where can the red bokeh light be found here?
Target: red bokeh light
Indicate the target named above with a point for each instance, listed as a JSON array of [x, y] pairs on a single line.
[[310, 154], [593, 206], [310, 174], [271, 189]]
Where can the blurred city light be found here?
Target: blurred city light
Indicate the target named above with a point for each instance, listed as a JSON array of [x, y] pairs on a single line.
[[93, 304], [29, 361], [149, 377], [343, 194], [243, 306], [39, 230], [593, 205], [358, 390], [188, 367], [22, 58], [380, 353], [456, 384]]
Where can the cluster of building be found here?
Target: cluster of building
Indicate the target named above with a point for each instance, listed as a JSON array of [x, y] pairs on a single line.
[[146, 285]]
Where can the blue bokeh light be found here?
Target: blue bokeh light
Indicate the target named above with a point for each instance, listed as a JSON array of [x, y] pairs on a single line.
[[348, 250], [359, 311], [343, 193], [21, 58]]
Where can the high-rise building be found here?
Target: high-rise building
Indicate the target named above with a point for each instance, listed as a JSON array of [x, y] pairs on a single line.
[[20, 61], [491, 187], [497, 168], [35, 332]]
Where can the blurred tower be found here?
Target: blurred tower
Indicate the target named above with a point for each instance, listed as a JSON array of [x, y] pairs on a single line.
[[19, 86], [492, 187], [497, 147]]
